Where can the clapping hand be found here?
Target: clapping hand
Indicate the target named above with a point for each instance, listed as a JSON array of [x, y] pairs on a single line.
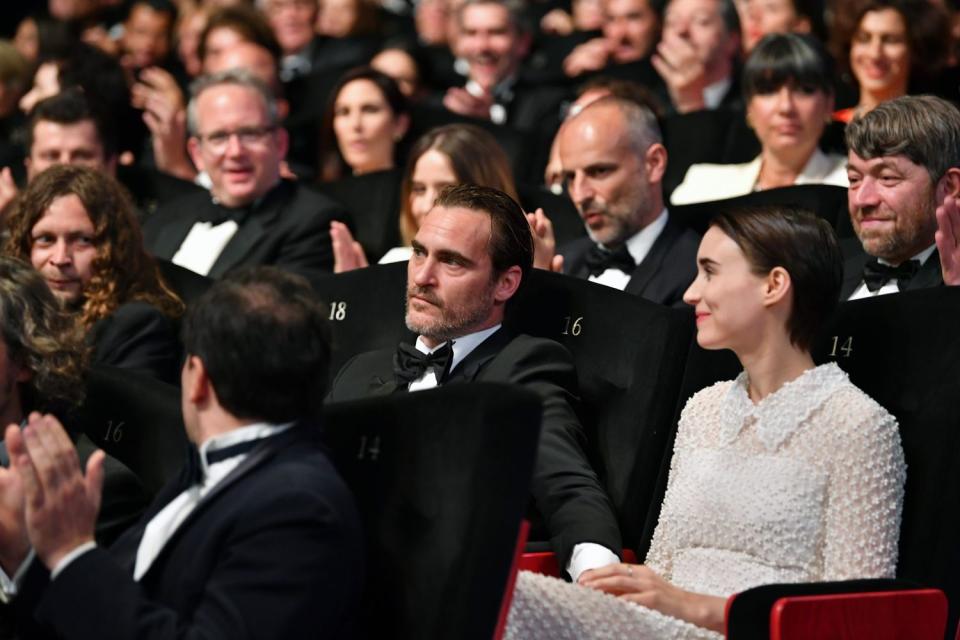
[[948, 239]]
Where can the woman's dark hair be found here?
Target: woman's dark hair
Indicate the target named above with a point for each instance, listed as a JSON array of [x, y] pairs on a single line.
[[782, 58], [803, 244], [332, 166], [928, 35]]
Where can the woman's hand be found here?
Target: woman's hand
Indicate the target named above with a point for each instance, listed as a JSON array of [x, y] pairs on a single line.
[[640, 584], [347, 252]]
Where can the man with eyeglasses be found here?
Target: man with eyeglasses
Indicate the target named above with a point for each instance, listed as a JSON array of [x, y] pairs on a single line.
[[251, 216]]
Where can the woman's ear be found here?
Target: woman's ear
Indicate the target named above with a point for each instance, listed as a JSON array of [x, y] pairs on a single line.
[[777, 286]]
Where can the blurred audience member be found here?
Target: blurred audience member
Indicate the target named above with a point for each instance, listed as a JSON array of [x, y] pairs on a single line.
[[761, 17], [366, 119], [76, 226], [630, 31], [891, 47], [788, 87], [147, 38]]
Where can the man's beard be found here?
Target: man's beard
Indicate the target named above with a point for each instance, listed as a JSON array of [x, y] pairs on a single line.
[[454, 321]]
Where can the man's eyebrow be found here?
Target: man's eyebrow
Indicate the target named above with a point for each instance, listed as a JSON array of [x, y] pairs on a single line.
[[448, 255], [417, 246]]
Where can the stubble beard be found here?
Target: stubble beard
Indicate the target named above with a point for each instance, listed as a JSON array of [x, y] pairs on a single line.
[[454, 321]]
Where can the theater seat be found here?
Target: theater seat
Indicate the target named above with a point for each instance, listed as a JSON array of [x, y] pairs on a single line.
[[625, 349], [827, 201], [442, 479], [137, 420], [366, 309]]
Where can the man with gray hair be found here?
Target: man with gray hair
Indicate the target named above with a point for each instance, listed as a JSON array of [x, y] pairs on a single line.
[[903, 163], [250, 217], [613, 164]]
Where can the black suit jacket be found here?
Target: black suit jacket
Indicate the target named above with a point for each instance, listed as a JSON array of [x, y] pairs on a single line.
[[137, 336], [665, 273], [289, 228], [568, 495], [273, 551], [855, 257]]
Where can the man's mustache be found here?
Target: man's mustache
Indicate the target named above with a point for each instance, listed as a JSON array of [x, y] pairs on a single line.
[[425, 294]]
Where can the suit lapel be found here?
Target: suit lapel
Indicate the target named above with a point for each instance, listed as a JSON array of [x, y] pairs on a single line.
[[256, 458], [852, 274], [647, 269], [469, 368], [172, 235], [929, 275], [251, 232]]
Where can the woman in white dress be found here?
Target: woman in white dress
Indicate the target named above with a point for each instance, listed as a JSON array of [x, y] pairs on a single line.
[[787, 474], [788, 90]]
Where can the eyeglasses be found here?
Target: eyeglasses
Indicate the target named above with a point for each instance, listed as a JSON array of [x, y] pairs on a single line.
[[248, 137]]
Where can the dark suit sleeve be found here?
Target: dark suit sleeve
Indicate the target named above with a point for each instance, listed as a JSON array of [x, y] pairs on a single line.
[[288, 570], [565, 486], [306, 248], [137, 336]]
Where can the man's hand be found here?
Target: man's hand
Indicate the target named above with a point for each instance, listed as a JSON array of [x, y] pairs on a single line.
[[948, 239], [14, 544], [592, 55], [544, 243], [557, 22], [8, 190], [640, 584], [459, 100], [677, 62], [347, 252], [61, 504], [164, 113]]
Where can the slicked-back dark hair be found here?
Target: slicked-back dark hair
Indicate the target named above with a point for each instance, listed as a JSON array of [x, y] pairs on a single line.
[[803, 244], [263, 337], [510, 240]]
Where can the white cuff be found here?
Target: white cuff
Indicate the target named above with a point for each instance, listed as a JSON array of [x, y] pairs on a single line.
[[10, 586], [70, 557], [589, 555]]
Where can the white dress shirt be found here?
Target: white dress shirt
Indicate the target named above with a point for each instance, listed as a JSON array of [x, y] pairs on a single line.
[[204, 244], [639, 245], [891, 286]]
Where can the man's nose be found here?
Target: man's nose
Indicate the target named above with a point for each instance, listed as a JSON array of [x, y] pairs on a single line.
[[62, 254]]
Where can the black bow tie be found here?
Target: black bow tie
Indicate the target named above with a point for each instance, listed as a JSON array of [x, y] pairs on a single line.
[[217, 214], [194, 474], [875, 274], [599, 259], [409, 364]]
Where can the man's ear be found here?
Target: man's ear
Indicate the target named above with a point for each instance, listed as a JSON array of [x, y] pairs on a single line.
[[507, 284], [777, 286], [949, 184], [195, 380], [193, 148], [655, 160]]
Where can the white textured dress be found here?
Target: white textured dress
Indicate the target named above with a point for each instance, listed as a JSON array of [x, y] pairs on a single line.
[[806, 485]]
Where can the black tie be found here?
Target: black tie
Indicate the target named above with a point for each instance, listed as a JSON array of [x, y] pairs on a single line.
[[409, 364], [193, 473], [599, 259], [217, 214], [875, 274]]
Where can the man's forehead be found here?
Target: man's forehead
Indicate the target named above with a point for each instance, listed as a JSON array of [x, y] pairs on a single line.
[[237, 96], [897, 161], [455, 227], [595, 133], [485, 15]]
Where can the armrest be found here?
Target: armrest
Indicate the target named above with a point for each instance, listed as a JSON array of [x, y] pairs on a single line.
[[545, 562], [907, 607]]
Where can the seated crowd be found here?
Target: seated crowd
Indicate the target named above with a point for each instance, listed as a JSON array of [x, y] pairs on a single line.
[[182, 178]]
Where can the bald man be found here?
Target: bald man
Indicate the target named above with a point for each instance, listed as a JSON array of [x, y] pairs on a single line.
[[613, 163]]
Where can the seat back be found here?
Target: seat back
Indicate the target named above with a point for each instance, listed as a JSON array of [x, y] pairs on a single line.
[[442, 479], [625, 349], [137, 420], [900, 350], [827, 201], [366, 309]]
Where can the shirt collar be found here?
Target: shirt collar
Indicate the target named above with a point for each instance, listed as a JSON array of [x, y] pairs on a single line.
[[462, 346], [639, 244], [714, 93], [256, 431], [921, 257]]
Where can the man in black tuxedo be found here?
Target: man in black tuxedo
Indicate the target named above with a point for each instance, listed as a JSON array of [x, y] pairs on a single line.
[[470, 256], [904, 163], [258, 538], [251, 216], [613, 163]]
